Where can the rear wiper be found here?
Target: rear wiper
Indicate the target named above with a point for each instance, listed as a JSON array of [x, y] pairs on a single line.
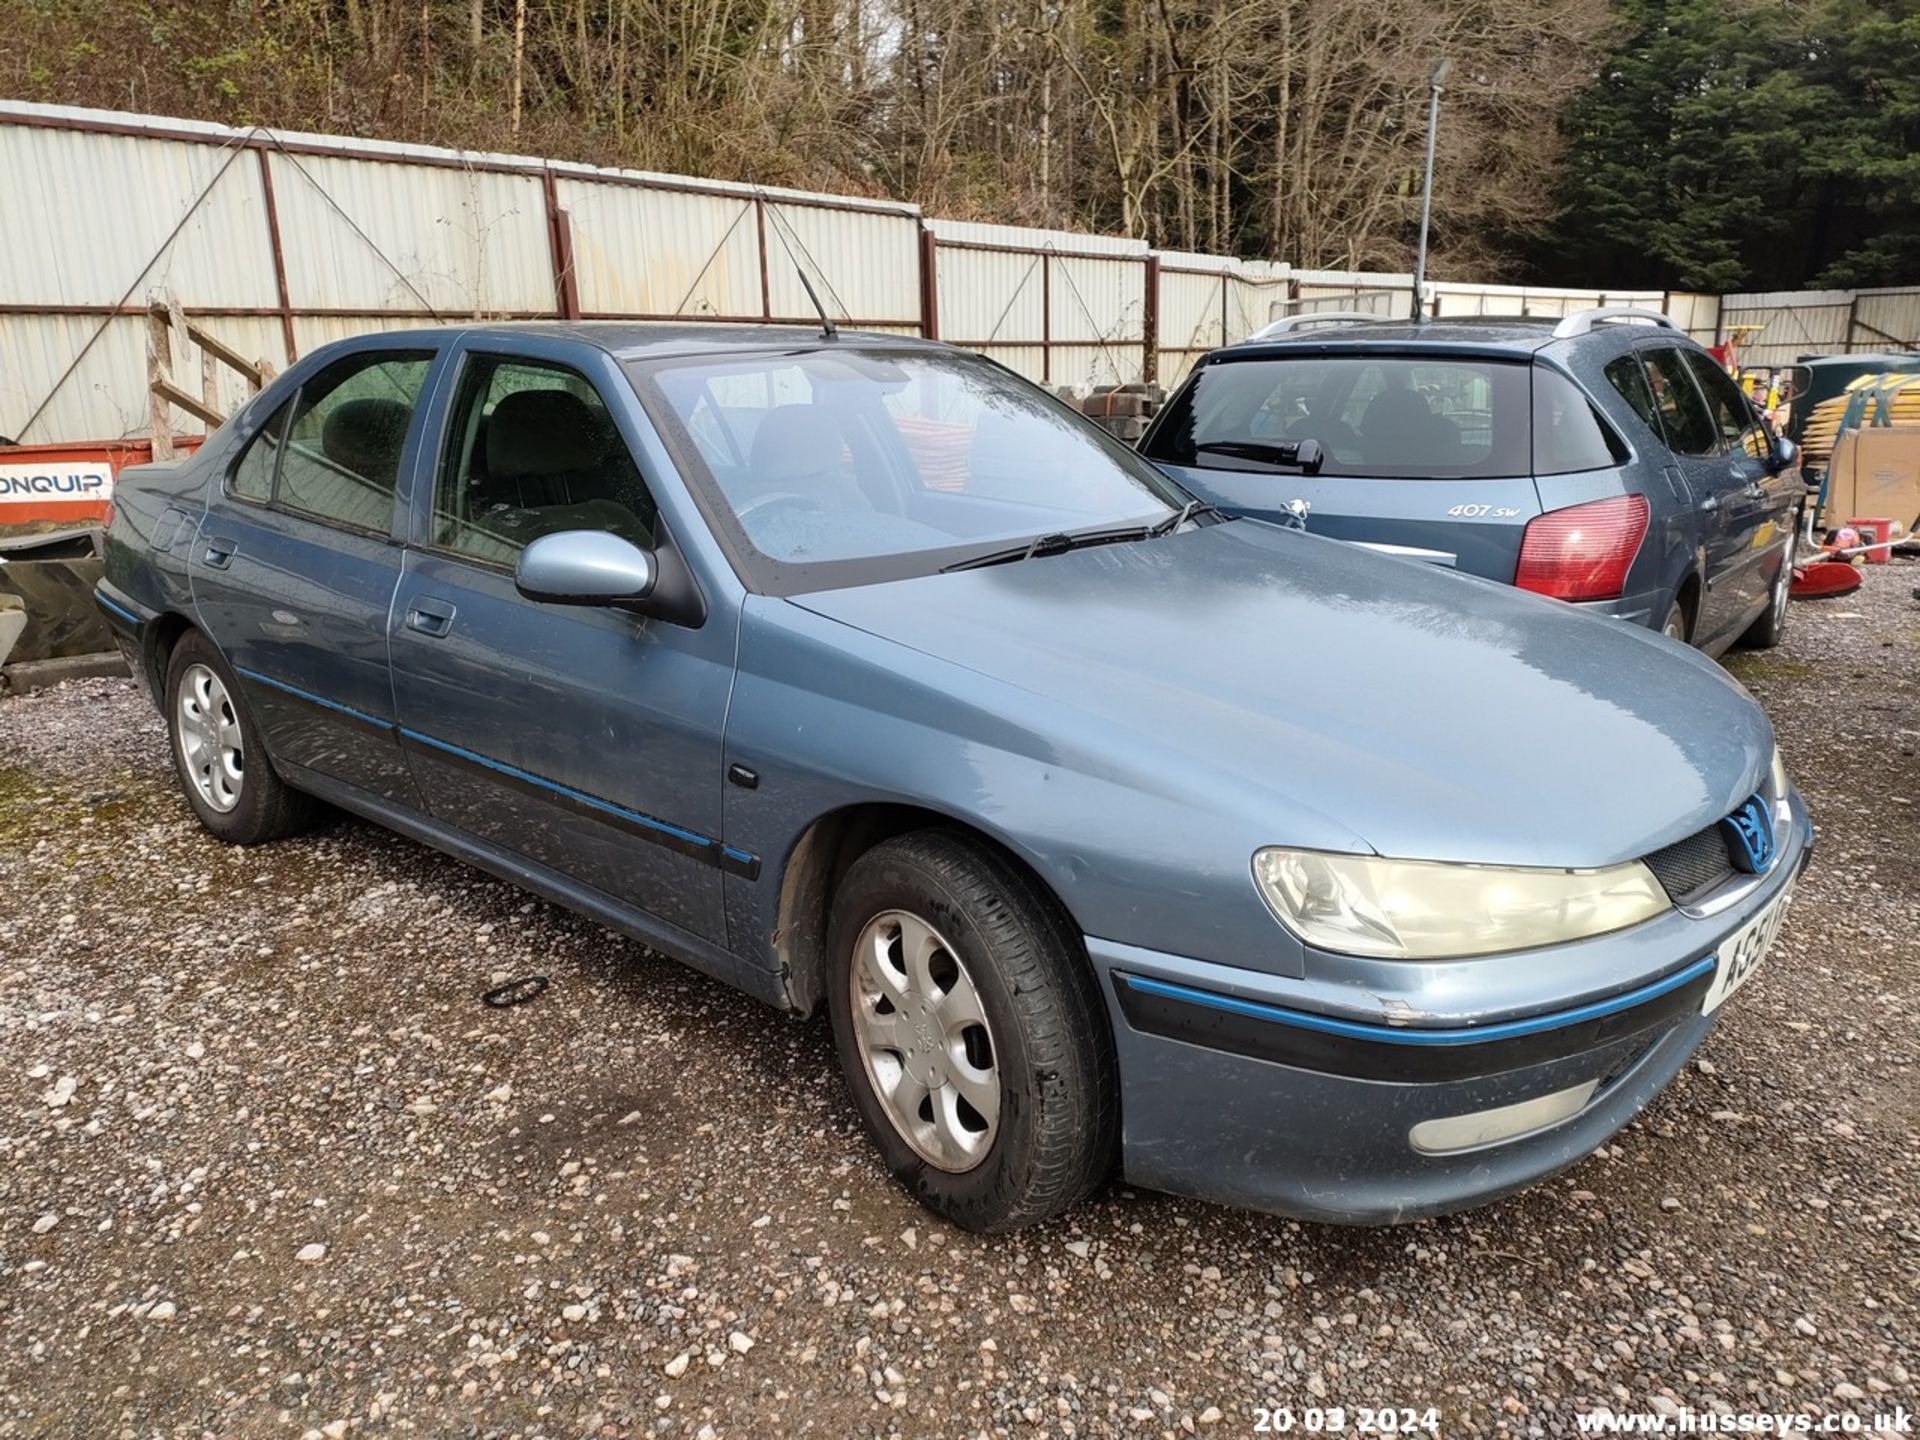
[[1306, 454], [1058, 543]]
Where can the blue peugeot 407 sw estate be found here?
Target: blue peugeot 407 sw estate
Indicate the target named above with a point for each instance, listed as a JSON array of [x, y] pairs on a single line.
[[865, 676], [1604, 459]]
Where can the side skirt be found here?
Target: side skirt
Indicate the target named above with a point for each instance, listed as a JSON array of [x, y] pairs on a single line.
[[670, 940]]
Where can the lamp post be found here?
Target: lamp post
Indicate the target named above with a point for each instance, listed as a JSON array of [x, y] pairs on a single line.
[[1435, 83]]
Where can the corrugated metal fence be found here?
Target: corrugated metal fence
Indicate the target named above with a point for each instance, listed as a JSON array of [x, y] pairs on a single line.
[[1779, 328], [278, 242]]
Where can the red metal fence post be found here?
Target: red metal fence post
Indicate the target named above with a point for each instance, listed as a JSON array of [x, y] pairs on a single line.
[[1150, 322], [566, 285], [929, 284], [279, 257]]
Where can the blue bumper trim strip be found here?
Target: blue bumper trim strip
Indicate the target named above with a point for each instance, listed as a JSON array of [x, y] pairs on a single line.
[[120, 610], [1401, 1035]]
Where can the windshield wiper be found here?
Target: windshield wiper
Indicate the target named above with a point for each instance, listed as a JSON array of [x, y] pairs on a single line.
[[1305, 454], [1058, 543], [1187, 512]]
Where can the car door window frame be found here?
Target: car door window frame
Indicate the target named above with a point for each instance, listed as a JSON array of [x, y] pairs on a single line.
[[283, 416], [1645, 355], [451, 435]]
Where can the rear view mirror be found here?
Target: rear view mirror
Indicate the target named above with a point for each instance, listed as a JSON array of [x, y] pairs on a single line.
[[585, 567]]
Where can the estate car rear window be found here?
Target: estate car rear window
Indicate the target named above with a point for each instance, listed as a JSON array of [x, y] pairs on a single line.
[[1404, 417]]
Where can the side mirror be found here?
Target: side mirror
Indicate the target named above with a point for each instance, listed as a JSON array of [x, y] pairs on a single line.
[[585, 567], [1786, 454]]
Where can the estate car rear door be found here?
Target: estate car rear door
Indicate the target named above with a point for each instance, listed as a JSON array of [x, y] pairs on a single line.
[[295, 565], [584, 739], [1427, 452]]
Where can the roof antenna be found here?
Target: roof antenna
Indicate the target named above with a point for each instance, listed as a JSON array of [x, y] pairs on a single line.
[[828, 330]]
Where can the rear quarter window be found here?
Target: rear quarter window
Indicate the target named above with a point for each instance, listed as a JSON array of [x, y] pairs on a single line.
[[1568, 435]]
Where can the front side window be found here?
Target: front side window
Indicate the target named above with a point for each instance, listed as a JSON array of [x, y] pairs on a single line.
[[1733, 414], [532, 450], [1683, 414], [1387, 416], [844, 465]]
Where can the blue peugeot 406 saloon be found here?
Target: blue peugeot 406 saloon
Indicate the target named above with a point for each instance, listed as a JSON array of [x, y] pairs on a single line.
[[863, 675]]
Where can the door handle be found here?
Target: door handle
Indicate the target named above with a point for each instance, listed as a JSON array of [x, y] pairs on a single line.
[[1710, 504], [430, 617], [219, 552]]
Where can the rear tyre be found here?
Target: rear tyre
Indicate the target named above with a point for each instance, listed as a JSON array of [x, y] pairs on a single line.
[[1676, 626], [970, 1032], [1771, 628], [218, 752]]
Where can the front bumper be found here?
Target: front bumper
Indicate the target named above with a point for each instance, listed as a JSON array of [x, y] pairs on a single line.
[[1287, 1095]]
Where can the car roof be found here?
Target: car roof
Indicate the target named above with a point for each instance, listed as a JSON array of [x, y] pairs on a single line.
[[653, 339], [1513, 336]]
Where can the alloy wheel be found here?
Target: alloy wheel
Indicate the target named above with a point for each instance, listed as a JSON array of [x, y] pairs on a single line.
[[211, 749], [922, 1032]]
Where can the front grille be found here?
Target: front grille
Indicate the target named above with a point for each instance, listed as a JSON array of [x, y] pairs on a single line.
[[1694, 865]]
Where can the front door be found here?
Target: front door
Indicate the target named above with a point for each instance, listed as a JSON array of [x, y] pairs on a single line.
[[295, 564], [584, 739]]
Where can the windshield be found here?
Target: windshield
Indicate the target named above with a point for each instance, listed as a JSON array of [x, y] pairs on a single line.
[[1396, 416], [844, 465]]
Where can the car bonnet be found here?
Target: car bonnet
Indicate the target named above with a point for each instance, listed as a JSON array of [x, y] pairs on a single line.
[[1437, 716]]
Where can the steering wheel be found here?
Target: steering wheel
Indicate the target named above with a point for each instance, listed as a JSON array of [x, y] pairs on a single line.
[[776, 497]]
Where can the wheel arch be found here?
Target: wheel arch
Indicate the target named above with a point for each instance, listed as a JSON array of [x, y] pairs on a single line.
[[823, 854], [164, 632]]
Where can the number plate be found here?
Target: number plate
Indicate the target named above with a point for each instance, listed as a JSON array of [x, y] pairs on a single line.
[[1740, 953]]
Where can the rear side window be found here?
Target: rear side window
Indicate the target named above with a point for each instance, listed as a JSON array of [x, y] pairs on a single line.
[[253, 477], [1733, 413], [1567, 435], [1683, 414], [341, 459], [1400, 416], [1626, 376]]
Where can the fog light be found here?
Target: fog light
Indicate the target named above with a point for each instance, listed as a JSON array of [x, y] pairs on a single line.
[[1506, 1122]]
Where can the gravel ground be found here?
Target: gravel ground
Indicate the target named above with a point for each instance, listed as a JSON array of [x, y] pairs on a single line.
[[267, 1166]]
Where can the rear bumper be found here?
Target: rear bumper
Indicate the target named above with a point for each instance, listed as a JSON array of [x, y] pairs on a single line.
[[1235, 1088], [128, 622], [1648, 608]]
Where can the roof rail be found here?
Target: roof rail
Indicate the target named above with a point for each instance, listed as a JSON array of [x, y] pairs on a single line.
[[1287, 324], [1581, 322]]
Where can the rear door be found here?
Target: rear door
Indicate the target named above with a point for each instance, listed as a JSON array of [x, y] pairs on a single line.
[[1426, 452], [1722, 528], [1757, 511], [297, 558]]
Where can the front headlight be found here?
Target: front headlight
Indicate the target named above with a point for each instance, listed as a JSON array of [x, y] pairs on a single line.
[[1426, 910]]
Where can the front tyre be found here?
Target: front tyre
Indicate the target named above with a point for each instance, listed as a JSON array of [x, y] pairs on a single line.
[[218, 752], [970, 1032]]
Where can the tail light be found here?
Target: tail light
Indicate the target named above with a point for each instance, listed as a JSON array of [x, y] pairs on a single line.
[[1584, 551]]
